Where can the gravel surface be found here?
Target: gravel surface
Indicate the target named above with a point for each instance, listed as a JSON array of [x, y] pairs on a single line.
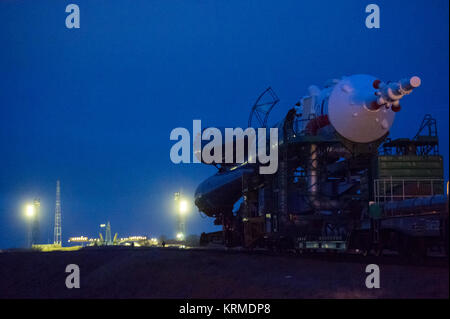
[[173, 273]]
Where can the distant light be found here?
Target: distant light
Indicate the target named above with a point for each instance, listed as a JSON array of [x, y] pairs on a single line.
[[180, 236], [102, 225], [80, 239], [131, 238], [183, 206], [30, 211]]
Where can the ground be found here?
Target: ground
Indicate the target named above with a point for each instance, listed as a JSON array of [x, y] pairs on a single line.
[[185, 273]]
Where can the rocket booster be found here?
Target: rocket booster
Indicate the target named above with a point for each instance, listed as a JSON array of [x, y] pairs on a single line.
[[360, 107], [389, 94]]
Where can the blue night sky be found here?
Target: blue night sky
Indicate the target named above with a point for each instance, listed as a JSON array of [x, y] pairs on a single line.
[[95, 106]]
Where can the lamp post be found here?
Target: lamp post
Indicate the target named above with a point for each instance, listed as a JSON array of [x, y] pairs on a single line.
[[181, 207], [30, 214], [102, 240]]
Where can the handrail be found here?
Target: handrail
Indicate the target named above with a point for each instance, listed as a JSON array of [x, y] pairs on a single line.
[[390, 189]]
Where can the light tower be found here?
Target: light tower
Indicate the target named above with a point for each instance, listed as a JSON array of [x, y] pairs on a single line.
[[57, 230], [181, 207], [35, 232], [108, 234], [30, 213]]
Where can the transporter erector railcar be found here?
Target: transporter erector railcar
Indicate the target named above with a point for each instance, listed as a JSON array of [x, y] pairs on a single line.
[[342, 184]]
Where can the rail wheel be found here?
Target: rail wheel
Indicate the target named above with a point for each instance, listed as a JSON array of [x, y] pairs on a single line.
[[378, 250], [365, 252], [446, 235], [418, 250]]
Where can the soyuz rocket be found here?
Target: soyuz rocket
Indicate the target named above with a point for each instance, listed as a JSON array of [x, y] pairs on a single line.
[[357, 110]]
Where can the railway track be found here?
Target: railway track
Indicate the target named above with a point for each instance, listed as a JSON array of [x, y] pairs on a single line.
[[389, 258]]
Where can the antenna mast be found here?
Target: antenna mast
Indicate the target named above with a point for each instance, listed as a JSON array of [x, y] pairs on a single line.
[[57, 232]]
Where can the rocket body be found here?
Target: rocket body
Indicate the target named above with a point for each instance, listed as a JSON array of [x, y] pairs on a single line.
[[359, 109]]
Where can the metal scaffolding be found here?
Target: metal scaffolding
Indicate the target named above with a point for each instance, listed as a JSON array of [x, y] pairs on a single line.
[[57, 229]]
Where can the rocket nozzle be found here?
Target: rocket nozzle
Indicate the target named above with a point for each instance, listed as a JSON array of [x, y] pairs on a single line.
[[376, 84], [396, 108], [389, 94]]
